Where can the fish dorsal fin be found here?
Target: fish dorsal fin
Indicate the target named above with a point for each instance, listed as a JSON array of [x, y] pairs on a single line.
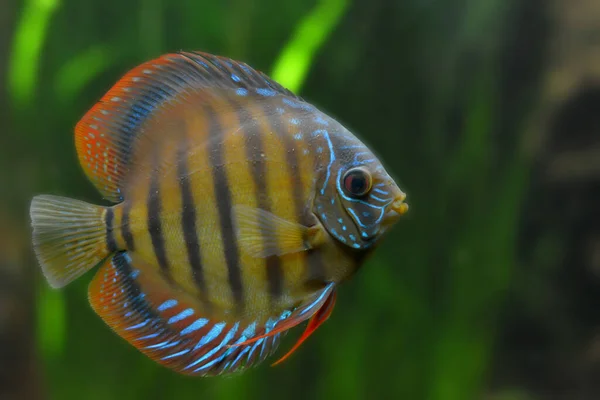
[[106, 136]]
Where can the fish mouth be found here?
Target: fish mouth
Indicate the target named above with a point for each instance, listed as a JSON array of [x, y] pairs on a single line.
[[397, 208]]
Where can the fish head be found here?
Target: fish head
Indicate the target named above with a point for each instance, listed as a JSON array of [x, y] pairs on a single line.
[[358, 201]]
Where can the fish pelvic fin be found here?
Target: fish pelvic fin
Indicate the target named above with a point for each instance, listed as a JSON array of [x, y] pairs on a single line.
[[316, 311], [70, 237], [315, 321]]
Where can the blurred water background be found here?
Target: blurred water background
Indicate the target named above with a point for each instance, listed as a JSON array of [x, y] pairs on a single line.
[[488, 114]]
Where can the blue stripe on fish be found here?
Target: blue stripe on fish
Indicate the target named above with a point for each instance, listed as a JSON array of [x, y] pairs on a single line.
[[211, 335], [179, 353], [215, 349], [138, 326], [181, 316], [151, 336], [167, 304], [198, 324]]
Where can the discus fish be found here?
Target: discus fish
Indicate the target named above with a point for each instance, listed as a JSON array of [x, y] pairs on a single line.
[[239, 210]]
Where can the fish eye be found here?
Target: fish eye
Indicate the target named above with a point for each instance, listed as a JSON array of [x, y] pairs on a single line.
[[357, 182]]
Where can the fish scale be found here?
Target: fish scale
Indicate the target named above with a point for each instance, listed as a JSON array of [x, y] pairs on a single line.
[[241, 208]]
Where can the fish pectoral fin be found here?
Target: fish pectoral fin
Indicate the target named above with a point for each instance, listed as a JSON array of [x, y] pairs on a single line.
[[263, 234]]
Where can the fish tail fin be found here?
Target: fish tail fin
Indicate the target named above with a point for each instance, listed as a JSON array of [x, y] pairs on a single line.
[[70, 237]]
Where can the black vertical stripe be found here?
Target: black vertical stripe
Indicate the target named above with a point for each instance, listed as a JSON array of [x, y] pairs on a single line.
[[111, 244], [254, 149], [316, 268], [294, 173], [137, 304], [125, 228], [188, 220], [154, 222], [223, 202]]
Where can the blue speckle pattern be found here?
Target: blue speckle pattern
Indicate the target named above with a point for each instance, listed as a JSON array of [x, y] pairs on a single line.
[[241, 92], [265, 92], [300, 105], [320, 120]]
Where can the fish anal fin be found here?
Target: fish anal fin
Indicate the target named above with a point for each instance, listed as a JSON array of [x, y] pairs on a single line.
[[169, 328], [107, 135]]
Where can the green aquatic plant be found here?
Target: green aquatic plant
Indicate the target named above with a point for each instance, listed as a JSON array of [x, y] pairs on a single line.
[[311, 32], [30, 35]]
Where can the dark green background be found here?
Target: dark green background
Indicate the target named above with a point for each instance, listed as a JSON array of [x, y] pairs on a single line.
[[443, 91]]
